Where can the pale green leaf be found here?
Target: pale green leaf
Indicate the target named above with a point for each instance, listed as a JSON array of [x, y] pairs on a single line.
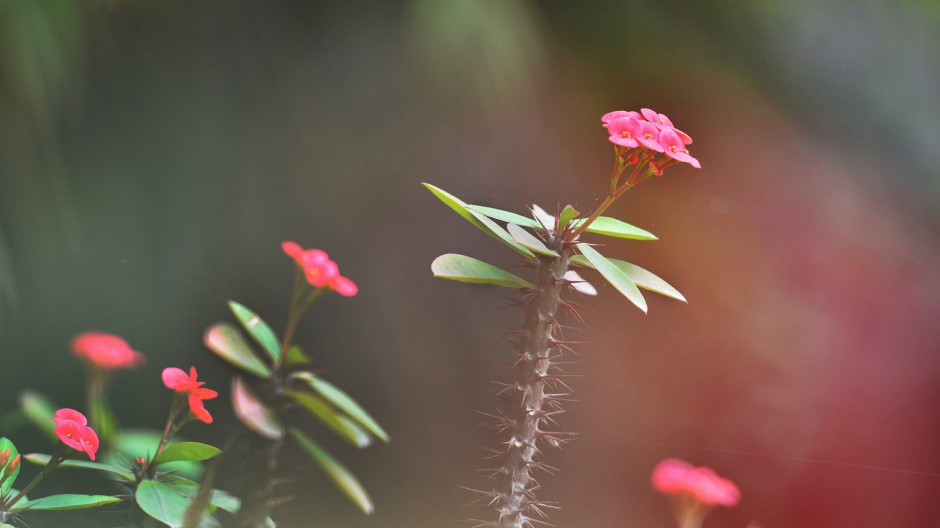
[[604, 225], [39, 409], [258, 330], [123, 473], [66, 501], [567, 215], [162, 502], [529, 240], [187, 451], [644, 279], [468, 269], [617, 278], [254, 413], [332, 418], [344, 402], [341, 476], [479, 220], [7, 477], [505, 216], [227, 342]]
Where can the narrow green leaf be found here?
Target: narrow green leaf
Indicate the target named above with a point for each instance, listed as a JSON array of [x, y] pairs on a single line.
[[254, 413], [479, 220], [344, 402], [39, 409], [188, 451], [162, 502], [529, 240], [468, 269], [604, 225], [332, 418], [123, 473], [227, 342], [567, 215], [8, 475], [258, 330], [644, 279], [505, 216], [617, 278], [7, 526], [66, 501], [341, 476]]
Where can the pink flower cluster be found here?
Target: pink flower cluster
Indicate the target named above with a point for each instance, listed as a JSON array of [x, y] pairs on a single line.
[[675, 477], [319, 269], [105, 351], [72, 428], [650, 132]]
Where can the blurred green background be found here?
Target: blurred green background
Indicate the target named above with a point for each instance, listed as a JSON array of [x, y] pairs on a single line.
[[153, 156]]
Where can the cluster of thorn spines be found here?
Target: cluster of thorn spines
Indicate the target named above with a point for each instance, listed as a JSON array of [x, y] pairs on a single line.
[[531, 402]]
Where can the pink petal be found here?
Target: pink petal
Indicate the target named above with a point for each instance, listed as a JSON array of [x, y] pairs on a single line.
[[70, 415], [648, 136], [670, 476], [176, 379], [623, 131], [89, 441], [198, 409], [344, 286], [70, 432], [105, 351], [292, 249], [650, 115]]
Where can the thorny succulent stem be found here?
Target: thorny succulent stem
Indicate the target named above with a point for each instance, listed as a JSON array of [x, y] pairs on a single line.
[[530, 398]]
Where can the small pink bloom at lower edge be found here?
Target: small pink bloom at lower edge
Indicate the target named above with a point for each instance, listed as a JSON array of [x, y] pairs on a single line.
[[676, 477], [105, 351]]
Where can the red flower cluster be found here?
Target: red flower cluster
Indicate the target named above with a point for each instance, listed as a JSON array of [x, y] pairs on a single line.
[[675, 477], [319, 269], [72, 428], [651, 131], [179, 381], [105, 351]]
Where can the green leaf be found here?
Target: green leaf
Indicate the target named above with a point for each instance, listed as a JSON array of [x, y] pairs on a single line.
[[341, 476], [529, 240], [8, 475], [227, 342], [188, 451], [642, 278], [345, 403], [567, 215], [162, 502], [189, 488], [617, 278], [340, 424], [468, 269], [480, 221], [296, 357], [258, 330], [254, 413], [133, 443], [66, 501], [505, 216], [39, 409], [604, 225], [123, 473]]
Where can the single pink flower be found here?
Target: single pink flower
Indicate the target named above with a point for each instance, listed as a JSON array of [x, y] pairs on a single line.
[[316, 264], [675, 477], [344, 286], [179, 381], [610, 116], [72, 429], [675, 148], [623, 131], [659, 120], [648, 136], [105, 351]]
